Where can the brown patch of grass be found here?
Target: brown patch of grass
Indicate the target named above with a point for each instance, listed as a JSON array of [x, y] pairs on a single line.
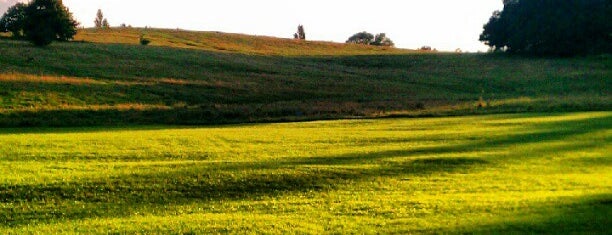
[[229, 42], [95, 108], [19, 77]]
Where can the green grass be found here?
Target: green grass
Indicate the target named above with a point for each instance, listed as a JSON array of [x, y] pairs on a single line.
[[186, 78], [510, 173], [120, 168]]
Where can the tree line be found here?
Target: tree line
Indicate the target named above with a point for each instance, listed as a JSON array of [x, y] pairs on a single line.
[[532, 27], [40, 21], [364, 38], [100, 21], [551, 27]]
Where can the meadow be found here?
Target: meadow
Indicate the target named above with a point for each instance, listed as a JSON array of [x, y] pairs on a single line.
[[181, 78], [207, 132], [540, 173]]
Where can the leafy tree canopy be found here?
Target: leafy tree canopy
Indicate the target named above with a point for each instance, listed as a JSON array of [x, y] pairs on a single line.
[[366, 38], [551, 27], [361, 38], [381, 39], [99, 19], [48, 20], [301, 33], [40, 21], [14, 20]]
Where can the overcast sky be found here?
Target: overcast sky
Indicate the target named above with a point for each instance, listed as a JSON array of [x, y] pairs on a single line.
[[441, 24]]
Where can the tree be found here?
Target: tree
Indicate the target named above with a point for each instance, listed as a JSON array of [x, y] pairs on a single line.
[[551, 27], [301, 34], [48, 20], [381, 39], [99, 19], [361, 38], [105, 24], [13, 20]]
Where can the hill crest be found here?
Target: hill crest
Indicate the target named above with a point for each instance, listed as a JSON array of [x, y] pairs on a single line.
[[230, 42]]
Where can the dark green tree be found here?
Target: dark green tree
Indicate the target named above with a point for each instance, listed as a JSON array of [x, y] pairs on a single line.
[[14, 20], [551, 27], [361, 38], [99, 19], [381, 39], [301, 33], [105, 24], [48, 20]]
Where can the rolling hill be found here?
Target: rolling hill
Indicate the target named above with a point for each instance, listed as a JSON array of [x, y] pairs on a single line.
[[120, 164], [105, 77]]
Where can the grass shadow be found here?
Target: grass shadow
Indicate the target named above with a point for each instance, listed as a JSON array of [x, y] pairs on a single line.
[[250, 180], [138, 191], [584, 215]]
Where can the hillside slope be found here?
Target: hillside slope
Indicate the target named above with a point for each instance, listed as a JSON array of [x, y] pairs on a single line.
[[205, 78], [228, 42]]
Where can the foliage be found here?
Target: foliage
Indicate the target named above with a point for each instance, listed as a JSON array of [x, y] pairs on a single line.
[[144, 41], [549, 27], [14, 20], [99, 19], [301, 33], [361, 38], [105, 24], [366, 38], [499, 174], [381, 39], [48, 20]]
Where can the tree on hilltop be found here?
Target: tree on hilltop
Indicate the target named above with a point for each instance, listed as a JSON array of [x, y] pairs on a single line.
[[381, 39], [361, 38], [14, 20], [301, 33], [48, 20], [105, 24], [366, 38], [100, 21]]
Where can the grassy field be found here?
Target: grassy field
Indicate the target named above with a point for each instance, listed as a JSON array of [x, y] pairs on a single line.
[[210, 78], [228, 42], [103, 135], [525, 173]]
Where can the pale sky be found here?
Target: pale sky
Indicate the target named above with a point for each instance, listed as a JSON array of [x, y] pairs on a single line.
[[442, 24]]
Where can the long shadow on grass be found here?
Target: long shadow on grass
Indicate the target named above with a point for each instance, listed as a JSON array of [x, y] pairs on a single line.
[[582, 215], [125, 194], [122, 196], [535, 133], [282, 111]]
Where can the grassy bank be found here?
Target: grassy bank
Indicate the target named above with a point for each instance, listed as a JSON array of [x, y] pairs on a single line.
[[171, 82], [523, 173]]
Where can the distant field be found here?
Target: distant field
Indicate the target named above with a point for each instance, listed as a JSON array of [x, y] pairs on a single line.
[[525, 173], [211, 78], [228, 42]]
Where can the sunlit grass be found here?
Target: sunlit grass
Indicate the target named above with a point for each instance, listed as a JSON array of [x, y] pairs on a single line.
[[535, 173], [228, 42], [105, 84]]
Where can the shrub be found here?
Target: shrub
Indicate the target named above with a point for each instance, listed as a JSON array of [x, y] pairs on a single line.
[[144, 41]]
